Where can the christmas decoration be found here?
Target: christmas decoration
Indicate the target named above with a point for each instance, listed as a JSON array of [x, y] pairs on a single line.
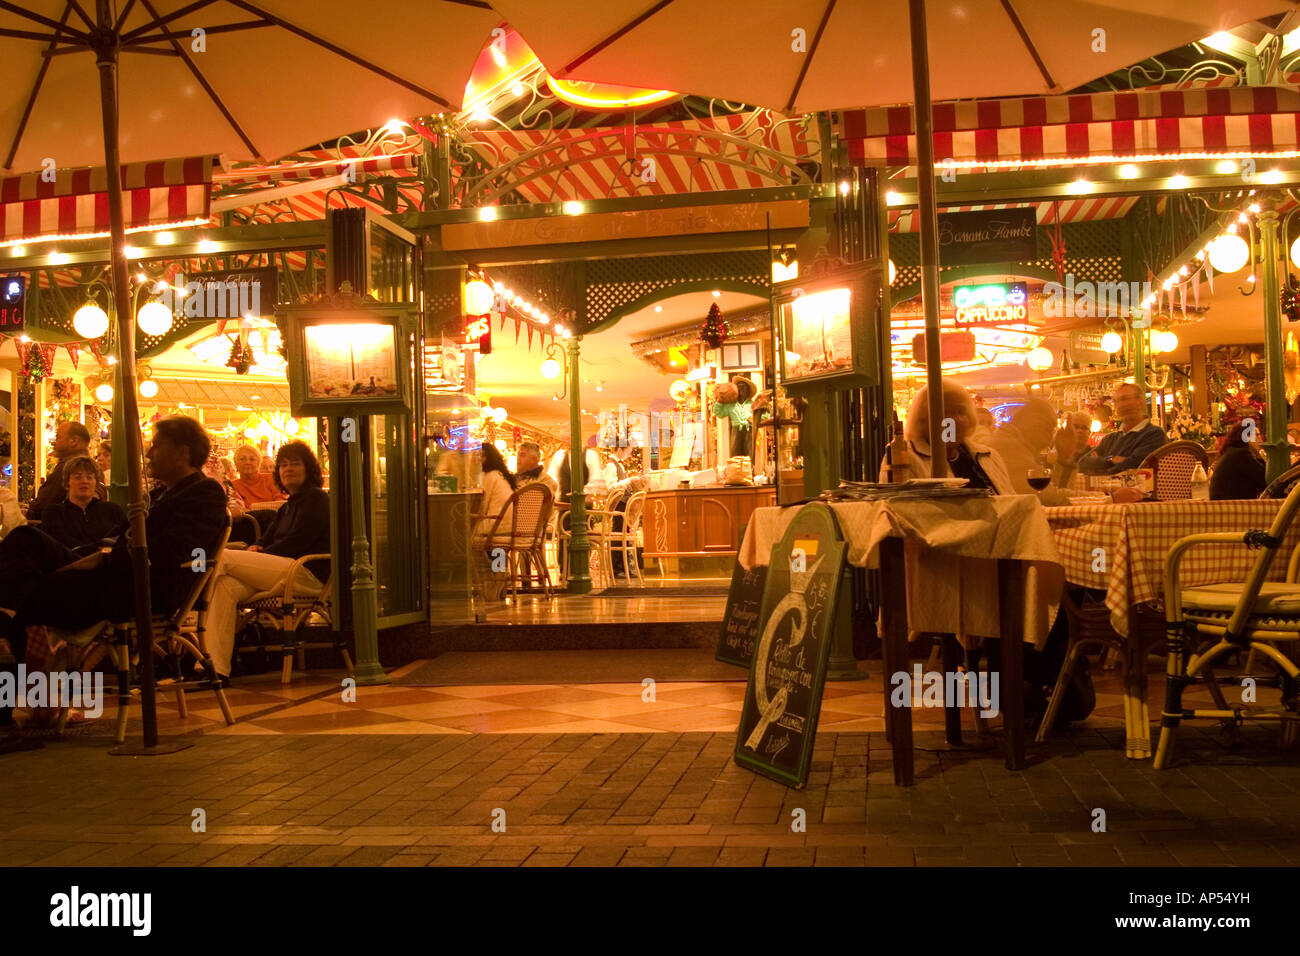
[[241, 358], [1291, 299], [714, 330]]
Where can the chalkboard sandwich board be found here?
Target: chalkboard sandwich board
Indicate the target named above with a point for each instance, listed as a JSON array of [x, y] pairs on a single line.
[[796, 626], [740, 622]]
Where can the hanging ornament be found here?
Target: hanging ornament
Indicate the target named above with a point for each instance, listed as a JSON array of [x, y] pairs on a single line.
[[35, 368], [714, 330], [241, 357]]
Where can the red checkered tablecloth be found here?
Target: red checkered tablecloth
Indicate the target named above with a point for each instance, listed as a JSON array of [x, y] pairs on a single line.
[[1122, 548]]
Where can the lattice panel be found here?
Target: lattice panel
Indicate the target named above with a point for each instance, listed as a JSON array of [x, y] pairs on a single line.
[[614, 283]]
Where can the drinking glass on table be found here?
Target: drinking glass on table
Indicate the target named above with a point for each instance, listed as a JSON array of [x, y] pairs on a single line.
[[1039, 478]]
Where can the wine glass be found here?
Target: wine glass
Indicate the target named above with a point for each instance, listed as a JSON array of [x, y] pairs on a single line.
[[1039, 478]]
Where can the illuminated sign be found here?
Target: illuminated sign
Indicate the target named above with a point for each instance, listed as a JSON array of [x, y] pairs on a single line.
[[991, 304], [12, 290], [606, 96], [478, 331]]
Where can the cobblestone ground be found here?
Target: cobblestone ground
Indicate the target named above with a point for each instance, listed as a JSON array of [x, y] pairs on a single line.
[[642, 800]]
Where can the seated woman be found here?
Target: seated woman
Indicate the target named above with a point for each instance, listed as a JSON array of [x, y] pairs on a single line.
[[82, 520], [1239, 472], [498, 485], [967, 458], [301, 527]]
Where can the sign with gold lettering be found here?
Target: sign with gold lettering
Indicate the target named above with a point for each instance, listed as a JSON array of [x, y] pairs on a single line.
[[795, 625]]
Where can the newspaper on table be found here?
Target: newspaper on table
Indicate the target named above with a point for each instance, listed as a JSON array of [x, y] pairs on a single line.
[[915, 488]]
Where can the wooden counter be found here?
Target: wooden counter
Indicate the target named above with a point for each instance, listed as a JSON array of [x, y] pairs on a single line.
[[700, 522]]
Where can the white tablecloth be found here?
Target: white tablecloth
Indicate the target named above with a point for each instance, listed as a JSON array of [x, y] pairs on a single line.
[[952, 547]]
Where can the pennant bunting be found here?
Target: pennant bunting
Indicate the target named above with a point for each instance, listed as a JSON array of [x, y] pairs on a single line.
[[23, 348], [74, 353], [530, 338], [517, 331], [47, 354], [96, 349]]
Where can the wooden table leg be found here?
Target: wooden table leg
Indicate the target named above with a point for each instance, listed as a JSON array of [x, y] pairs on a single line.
[[951, 711], [893, 606], [1012, 678]]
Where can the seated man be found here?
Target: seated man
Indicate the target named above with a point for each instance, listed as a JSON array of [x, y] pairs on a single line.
[[70, 440], [1129, 447], [82, 520], [42, 582], [529, 467]]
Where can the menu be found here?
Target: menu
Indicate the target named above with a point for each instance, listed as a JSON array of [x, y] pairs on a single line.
[[795, 625], [345, 360]]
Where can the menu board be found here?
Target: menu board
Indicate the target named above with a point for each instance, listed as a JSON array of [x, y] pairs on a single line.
[[346, 359], [796, 626], [740, 622], [820, 333]]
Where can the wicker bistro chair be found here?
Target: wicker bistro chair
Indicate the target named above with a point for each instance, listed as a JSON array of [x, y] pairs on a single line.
[[280, 615], [601, 533], [524, 540], [176, 635], [1253, 614], [627, 539], [1281, 486], [1173, 464]]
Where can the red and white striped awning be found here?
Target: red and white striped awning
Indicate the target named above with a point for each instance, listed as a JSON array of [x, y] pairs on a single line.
[[1094, 127], [1064, 211], [723, 152], [59, 203]]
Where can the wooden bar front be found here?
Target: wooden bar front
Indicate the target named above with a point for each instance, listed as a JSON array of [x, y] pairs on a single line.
[[700, 522]]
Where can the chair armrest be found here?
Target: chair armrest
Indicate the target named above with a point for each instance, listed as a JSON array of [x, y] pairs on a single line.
[[287, 597], [1173, 592]]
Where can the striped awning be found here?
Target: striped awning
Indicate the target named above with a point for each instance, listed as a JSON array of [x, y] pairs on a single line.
[[1064, 211], [1094, 127], [735, 151], [57, 203]]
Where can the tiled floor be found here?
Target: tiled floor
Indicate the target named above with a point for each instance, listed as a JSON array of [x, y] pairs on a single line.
[[597, 609], [319, 703]]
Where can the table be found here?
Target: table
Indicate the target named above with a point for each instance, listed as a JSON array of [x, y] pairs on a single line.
[[1122, 549], [964, 565]]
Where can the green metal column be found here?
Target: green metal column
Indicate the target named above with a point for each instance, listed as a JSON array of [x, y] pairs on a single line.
[[1139, 338], [1278, 456], [579, 546], [365, 607]]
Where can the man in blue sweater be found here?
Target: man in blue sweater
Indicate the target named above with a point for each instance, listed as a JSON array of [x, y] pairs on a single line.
[[1129, 447]]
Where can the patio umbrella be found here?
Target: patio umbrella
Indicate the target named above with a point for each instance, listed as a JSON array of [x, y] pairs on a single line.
[[806, 55], [204, 76]]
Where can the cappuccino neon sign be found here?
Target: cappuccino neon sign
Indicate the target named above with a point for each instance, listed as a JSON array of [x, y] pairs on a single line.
[[991, 304]]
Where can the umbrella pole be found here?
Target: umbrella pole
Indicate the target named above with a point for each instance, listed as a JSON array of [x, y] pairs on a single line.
[[106, 60], [928, 212]]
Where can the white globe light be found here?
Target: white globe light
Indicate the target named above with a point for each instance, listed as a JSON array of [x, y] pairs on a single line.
[[1229, 253], [550, 368], [90, 321], [104, 393], [1164, 341], [154, 318], [478, 297], [1095, 426], [1040, 359], [148, 388], [1295, 253], [1111, 342], [892, 272], [498, 415]]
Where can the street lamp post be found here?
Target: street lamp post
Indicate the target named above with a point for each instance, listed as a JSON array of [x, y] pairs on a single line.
[[579, 546]]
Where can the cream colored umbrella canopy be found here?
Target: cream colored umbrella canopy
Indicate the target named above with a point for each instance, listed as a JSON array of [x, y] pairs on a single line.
[[802, 56], [91, 81]]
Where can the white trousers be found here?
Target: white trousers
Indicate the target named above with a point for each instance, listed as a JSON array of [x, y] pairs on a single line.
[[241, 575]]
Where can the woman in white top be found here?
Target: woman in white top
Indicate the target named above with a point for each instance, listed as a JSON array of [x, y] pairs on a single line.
[[967, 458], [498, 485]]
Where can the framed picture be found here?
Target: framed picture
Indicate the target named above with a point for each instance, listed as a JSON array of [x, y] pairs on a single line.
[[825, 324], [741, 356], [345, 358]]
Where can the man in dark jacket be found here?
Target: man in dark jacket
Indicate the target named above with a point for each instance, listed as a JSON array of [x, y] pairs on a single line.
[[43, 584], [70, 440], [1129, 447]]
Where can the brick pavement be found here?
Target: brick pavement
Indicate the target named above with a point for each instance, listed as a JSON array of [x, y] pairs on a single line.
[[642, 800]]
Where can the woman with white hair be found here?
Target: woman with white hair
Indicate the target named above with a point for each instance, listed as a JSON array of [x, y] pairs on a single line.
[[1021, 443], [967, 457]]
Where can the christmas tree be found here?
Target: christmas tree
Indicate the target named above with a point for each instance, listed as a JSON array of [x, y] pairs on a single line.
[[714, 329]]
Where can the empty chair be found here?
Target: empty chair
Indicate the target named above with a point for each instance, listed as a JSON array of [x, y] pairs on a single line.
[[1173, 465]]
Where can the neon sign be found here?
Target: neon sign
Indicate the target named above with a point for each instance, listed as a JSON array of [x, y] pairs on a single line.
[[994, 304]]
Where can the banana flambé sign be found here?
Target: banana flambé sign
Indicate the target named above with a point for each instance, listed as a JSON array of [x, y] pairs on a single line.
[[796, 627]]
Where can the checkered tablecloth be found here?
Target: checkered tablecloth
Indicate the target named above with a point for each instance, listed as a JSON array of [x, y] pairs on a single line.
[[1122, 548], [951, 548]]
